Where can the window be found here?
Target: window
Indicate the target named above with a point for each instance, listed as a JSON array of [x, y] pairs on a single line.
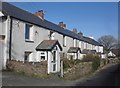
[[54, 67], [75, 42], [28, 32], [51, 35], [54, 56], [43, 56], [26, 57], [82, 45], [64, 41], [2, 37]]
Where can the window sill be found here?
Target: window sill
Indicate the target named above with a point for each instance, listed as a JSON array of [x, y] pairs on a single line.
[[31, 41]]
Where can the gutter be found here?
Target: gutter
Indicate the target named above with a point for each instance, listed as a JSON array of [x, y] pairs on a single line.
[[10, 39]]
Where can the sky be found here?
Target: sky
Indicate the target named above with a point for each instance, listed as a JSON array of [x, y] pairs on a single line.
[[91, 18]]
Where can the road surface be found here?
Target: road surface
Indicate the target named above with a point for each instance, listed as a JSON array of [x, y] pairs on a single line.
[[107, 77]]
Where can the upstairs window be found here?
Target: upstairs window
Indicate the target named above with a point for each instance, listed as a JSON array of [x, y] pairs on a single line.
[[82, 45], [64, 41], [28, 32], [51, 35], [74, 42]]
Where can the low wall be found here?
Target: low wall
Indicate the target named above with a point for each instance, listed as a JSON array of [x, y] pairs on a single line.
[[78, 71], [30, 69]]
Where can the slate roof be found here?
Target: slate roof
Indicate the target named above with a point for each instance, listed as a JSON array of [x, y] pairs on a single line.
[[92, 52], [73, 50], [87, 51], [48, 45], [23, 15]]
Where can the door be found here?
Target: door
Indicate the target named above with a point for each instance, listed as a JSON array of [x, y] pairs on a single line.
[[54, 62]]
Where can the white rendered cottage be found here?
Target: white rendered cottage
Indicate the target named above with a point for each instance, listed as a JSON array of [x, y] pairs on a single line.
[[22, 32], [74, 53]]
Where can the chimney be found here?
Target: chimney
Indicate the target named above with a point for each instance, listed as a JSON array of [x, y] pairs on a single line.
[[61, 24], [40, 14], [75, 30], [80, 33]]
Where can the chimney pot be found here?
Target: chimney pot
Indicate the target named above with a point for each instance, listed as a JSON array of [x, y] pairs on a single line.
[[80, 33], [74, 30], [61, 24], [40, 14]]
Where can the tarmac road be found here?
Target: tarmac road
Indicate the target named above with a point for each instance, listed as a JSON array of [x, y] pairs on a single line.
[[107, 77]]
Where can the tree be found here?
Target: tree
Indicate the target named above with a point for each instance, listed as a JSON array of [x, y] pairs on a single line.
[[108, 42]]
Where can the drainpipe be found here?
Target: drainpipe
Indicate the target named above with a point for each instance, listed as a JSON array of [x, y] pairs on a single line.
[[10, 39]]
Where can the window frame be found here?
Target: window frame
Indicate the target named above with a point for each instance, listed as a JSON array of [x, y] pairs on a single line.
[[41, 55], [29, 36], [51, 35], [27, 53], [64, 41]]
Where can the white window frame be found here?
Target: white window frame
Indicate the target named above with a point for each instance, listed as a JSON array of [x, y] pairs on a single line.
[[28, 56], [64, 41], [43, 54], [31, 33], [74, 42], [51, 35]]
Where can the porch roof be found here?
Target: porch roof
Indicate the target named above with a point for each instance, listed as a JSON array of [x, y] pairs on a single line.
[[48, 45], [74, 50], [87, 51]]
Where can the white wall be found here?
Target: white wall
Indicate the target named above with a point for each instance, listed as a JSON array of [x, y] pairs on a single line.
[[101, 49], [4, 47], [18, 42]]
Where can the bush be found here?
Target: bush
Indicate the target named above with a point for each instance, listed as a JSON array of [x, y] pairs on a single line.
[[77, 61], [89, 57], [95, 59], [70, 63], [67, 63], [96, 64]]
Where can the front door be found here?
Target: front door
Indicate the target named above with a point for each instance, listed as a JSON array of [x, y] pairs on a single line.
[[54, 67]]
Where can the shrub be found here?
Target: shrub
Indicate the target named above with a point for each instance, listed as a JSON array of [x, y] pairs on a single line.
[[67, 63], [70, 63], [77, 61], [96, 64], [88, 57], [95, 59]]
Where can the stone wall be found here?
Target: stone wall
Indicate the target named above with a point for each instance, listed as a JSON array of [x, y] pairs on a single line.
[[37, 69], [78, 71]]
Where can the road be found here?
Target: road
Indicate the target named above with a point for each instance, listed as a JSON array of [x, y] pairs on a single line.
[[109, 76]]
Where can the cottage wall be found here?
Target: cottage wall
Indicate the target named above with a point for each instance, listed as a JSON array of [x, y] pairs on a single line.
[[4, 47]]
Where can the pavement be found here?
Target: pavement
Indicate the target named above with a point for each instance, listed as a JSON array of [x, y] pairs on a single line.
[[107, 76]]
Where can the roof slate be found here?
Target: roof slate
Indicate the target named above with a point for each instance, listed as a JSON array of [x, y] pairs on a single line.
[[87, 51], [73, 50], [48, 45], [23, 15]]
